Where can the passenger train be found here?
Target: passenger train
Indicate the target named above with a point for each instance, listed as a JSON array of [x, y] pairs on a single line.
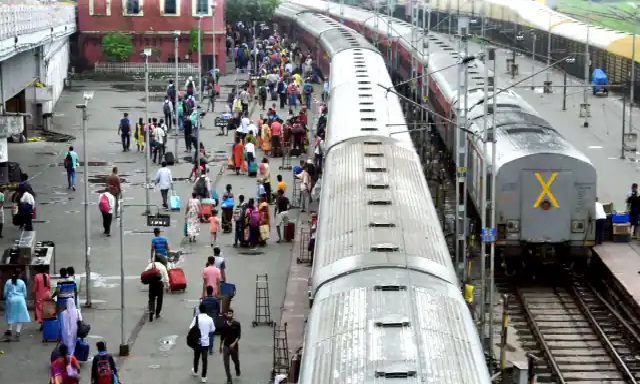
[[386, 302], [546, 188]]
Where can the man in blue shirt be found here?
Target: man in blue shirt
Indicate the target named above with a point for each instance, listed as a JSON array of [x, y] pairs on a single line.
[[124, 130], [159, 246], [70, 164]]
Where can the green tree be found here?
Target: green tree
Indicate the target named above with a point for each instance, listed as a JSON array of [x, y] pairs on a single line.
[[193, 40], [117, 46], [250, 10]]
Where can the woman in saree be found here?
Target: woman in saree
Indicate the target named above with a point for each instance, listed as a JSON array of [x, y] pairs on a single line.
[[265, 220], [238, 158], [266, 139], [192, 217], [69, 325], [65, 369]]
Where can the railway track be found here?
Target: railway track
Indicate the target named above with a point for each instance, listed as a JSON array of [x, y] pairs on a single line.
[[580, 336]]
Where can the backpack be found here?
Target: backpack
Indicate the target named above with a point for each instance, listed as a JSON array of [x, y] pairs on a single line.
[[190, 84], [254, 218], [124, 125], [201, 187], [167, 109], [180, 109], [308, 88], [246, 52], [104, 203], [263, 92], [68, 161], [238, 213], [103, 370], [280, 86], [193, 337]]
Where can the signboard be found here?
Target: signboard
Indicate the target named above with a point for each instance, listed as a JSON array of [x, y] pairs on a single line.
[[159, 220], [43, 94], [11, 125], [630, 142], [4, 150]]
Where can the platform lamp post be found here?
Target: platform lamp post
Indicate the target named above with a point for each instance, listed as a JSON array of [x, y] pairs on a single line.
[[147, 53], [587, 58], [199, 99], [88, 96], [534, 37], [176, 35], [213, 42]]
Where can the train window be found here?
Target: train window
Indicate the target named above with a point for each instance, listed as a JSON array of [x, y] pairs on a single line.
[[364, 82]]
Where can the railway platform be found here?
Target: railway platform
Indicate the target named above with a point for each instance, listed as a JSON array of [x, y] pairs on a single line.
[[622, 260]]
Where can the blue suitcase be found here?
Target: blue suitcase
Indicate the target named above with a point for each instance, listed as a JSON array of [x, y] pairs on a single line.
[[50, 330], [82, 350], [228, 289], [174, 202], [253, 168]]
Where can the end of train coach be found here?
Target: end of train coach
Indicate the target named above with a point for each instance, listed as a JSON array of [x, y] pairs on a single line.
[[545, 208]]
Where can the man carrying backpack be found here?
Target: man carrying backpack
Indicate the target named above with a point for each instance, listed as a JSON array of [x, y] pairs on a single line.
[[201, 187], [262, 95], [103, 368], [124, 130], [106, 205], [308, 90], [167, 109], [198, 339], [70, 164]]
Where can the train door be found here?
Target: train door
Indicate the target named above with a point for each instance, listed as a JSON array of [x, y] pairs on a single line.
[[545, 210]]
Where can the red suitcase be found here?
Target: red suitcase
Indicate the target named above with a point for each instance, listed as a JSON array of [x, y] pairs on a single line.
[[289, 231], [177, 281]]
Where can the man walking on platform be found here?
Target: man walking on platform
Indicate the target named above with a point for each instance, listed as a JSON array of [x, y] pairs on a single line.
[[230, 334]]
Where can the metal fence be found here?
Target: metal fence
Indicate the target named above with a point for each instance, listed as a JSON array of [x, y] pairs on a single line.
[[163, 68]]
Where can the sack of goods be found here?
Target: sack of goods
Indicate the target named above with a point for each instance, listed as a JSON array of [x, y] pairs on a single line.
[[150, 276]]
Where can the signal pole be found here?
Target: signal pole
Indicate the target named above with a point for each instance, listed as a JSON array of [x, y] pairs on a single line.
[[414, 41], [585, 110], [461, 160]]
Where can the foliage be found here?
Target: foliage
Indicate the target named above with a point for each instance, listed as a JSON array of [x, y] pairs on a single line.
[[614, 14], [250, 10], [117, 46], [193, 40]]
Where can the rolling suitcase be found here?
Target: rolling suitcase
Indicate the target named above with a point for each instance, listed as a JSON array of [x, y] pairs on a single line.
[[82, 350], [174, 202], [169, 158], [289, 231], [50, 330], [177, 280]]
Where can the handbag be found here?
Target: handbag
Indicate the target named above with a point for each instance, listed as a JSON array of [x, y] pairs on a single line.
[[264, 232], [83, 329], [72, 372]]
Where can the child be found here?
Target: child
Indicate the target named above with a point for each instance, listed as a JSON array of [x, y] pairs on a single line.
[[281, 185], [214, 223]]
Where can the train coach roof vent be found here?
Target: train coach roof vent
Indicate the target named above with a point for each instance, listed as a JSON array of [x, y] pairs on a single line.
[[365, 96], [360, 66], [378, 186], [448, 49], [361, 75], [372, 142], [375, 169], [364, 88], [364, 82], [361, 70], [396, 374], [392, 321], [379, 202], [367, 110], [368, 119], [390, 288], [366, 103], [382, 225], [384, 247], [368, 129]]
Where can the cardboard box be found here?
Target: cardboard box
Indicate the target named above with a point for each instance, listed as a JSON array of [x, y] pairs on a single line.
[[622, 229]]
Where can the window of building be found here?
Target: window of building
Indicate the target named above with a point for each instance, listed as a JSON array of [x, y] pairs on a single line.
[[201, 7], [170, 7], [100, 7], [132, 7]]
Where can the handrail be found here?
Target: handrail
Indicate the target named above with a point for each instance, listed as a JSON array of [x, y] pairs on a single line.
[[538, 334]]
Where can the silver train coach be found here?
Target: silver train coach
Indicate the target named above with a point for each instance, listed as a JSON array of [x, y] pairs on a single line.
[[386, 302], [546, 188]]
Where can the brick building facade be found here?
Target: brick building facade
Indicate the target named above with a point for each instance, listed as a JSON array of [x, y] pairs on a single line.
[[152, 23]]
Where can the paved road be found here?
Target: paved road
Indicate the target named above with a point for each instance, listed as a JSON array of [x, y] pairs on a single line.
[[159, 352]]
